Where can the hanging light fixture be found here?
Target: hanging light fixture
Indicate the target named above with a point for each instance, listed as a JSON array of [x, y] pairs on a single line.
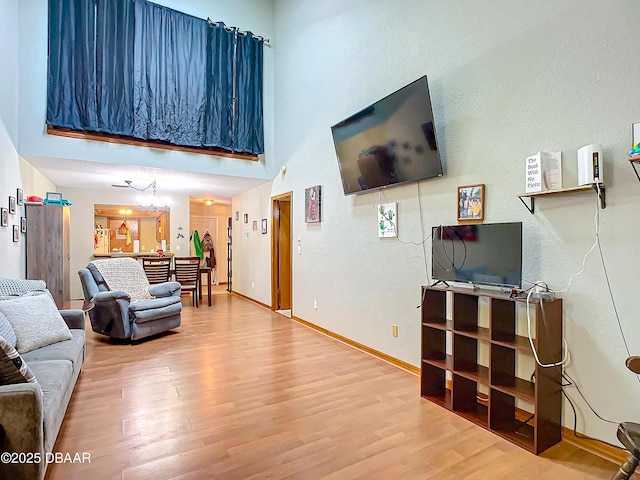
[[150, 200]]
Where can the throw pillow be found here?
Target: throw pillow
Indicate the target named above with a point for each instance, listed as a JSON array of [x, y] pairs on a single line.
[[12, 368], [36, 321], [6, 331]]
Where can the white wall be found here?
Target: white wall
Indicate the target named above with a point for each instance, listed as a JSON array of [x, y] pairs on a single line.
[[253, 15], [15, 172], [507, 79], [252, 249]]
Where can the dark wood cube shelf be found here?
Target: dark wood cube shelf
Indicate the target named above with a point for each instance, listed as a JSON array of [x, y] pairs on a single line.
[[525, 411]]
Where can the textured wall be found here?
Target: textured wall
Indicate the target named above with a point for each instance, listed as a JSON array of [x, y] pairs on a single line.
[[13, 253], [507, 78], [252, 249]]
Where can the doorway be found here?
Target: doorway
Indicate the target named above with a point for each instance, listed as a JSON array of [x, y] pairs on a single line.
[[281, 275], [206, 225]]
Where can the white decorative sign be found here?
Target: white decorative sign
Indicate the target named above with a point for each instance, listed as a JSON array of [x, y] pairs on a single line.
[[387, 220], [544, 172], [534, 174]]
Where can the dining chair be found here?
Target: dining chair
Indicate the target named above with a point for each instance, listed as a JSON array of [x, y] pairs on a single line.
[[157, 269], [187, 273]]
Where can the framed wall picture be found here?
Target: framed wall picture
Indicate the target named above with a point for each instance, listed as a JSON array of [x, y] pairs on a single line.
[[255, 225], [470, 205], [246, 218], [312, 204], [23, 224], [264, 226], [4, 217], [12, 205], [237, 215], [16, 233], [19, 196]]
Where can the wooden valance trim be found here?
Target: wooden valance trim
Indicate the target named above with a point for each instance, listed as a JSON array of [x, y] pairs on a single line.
[[122, 139]]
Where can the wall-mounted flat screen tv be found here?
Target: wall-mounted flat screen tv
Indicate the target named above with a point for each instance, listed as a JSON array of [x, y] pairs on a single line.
[[480, 254], [390, 142]]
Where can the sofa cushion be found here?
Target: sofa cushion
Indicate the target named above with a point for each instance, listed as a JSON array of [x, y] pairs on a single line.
[[17, 286], [13, 369], [55, 378], [36, 322], [71, 350], [147, 310], [6, 331]]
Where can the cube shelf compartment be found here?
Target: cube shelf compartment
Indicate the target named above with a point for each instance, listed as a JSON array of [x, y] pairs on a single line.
[[525, 411]]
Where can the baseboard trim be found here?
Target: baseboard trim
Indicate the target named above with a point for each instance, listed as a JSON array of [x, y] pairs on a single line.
[[382, 356], [268, 307], [602, 450]]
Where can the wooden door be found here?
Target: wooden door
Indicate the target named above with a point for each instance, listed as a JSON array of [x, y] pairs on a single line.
[[281, 295]]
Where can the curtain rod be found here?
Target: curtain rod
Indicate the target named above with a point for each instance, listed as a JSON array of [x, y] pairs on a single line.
[[231, 29]]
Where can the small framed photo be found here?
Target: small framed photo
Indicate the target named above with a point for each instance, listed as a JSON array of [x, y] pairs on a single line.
[[246, 218], [16, 233], [19, 197], [255, 225], [4, 217], [313, 204], [470, 205], [12, 205], [237, 215], [23, 224], [264, 226], [53, 197]]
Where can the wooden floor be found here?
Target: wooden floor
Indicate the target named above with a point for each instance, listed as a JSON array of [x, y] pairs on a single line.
[[239, 392]]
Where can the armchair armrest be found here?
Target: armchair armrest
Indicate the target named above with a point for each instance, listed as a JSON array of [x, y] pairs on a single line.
[[21, 409], [166, 289], [73, 318], [110, 296]]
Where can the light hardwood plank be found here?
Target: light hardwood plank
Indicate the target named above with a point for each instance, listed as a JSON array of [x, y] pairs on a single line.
[[240, 392]]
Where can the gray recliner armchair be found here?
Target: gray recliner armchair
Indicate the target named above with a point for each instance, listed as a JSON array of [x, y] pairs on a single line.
[[117, 312]]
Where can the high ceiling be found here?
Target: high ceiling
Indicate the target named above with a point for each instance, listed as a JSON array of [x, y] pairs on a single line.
[[92, 175]]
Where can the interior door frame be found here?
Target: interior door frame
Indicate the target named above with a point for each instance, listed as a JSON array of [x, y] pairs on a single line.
[[275, 201]]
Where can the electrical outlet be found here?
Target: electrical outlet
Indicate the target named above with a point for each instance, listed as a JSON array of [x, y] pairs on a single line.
[[394, 330], [253, 284], [315, 304], [178, 248]]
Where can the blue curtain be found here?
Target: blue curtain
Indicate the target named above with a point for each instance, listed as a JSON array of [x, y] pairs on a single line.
[[248, 121], [218, 131], [114, 66], [135, 68], [169, 89], [71, 83]]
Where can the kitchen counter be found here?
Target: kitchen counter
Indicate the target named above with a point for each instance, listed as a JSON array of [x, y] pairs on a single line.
[[125, 254]]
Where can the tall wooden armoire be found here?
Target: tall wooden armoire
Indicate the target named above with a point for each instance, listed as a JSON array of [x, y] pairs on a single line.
[[48, 249]]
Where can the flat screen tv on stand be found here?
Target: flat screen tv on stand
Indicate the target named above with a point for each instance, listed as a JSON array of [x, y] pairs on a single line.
[[488, 254], [390, 142]]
